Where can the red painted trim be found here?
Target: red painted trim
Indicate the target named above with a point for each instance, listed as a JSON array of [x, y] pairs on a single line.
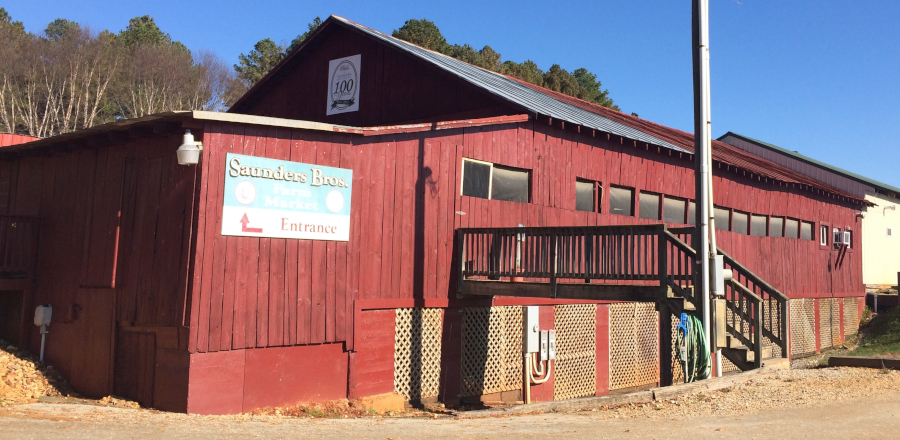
[[826, 295]]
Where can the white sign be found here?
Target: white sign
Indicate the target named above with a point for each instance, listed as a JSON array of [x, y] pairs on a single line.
[[280, 199], [343, 85]]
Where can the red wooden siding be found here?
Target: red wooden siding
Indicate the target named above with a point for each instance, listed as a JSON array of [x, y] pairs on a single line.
[[113, 253], [393, 88], [406, 206]]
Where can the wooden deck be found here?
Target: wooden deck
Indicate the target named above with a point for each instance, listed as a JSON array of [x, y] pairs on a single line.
[[582, 291]]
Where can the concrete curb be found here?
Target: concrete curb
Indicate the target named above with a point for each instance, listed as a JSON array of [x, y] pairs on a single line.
[[654, 394], [864, 362]]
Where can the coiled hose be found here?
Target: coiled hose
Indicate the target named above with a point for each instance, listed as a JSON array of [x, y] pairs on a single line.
[[692, 352]]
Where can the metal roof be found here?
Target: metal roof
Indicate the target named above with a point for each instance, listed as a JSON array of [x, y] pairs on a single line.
[[513, 91], [814, 162]]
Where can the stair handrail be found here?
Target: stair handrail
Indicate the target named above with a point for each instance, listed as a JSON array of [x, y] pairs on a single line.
[[752, 276], [755, 318], [780, 298]]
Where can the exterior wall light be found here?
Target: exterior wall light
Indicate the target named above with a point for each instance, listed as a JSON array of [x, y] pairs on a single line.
[[189, 151]]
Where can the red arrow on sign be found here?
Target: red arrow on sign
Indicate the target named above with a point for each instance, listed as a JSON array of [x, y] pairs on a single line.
[[244, 227]]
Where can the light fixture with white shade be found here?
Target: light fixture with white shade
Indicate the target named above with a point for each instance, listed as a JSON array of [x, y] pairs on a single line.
[[189, 151]]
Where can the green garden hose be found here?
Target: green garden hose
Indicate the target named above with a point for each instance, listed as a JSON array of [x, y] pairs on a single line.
[[691, 349]]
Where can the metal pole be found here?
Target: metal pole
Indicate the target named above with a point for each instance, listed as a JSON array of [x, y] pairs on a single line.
[[43, 340], [703, 161]]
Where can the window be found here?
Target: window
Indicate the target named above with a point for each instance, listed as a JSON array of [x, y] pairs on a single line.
[[489, 181], [776, 226], [890, 233], [837, 236], [476, 180], [649, 206], [692, 214], [848, 234], [792, 228], [673, 210], [621, 201], [806, 229], [509, 184], [758, 225], [823, 235], [740, 223], [586, 192], [723, 219]]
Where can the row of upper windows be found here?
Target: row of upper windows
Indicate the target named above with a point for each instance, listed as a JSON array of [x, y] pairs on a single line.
[[490, 181]]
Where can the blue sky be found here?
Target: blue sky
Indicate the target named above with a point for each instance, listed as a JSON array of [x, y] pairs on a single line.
[[822, 78]]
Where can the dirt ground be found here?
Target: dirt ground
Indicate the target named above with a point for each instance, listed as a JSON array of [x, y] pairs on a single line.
[[818, 403]]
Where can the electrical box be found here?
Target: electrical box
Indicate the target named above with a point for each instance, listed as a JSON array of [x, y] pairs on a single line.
[[552, 344], [544, 345], [717, 268], [720, 333], [530, 329], [42, 315]]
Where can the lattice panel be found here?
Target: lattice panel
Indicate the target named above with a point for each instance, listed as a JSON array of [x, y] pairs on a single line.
[[633, 345], [772, 317], [576, 351], [829, 323], [491, 350], [803, 327], [851, 316], [417, 352]]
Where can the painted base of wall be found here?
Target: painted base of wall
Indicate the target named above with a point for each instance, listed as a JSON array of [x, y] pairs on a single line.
[[236, 381]]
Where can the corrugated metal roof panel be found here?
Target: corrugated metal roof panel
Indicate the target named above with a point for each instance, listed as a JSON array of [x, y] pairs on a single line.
[[513, 91], [824, 166]]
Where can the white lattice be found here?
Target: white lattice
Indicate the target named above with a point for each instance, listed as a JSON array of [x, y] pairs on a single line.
[[634, 345], [803, 327], [576, 351], [829, 323], [851, 316], [417, 352], [491, 350]]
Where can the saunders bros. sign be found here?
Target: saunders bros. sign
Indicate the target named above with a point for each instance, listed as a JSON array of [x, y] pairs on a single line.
[[281, 199]]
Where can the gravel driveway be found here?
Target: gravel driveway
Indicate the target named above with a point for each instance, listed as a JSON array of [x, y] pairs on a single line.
[[820, 403]]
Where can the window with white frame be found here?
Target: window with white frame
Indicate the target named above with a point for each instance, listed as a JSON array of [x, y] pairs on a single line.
[[495, 182], [823, 235]]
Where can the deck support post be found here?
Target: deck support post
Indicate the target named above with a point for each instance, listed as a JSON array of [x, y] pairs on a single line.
[[665, 344]]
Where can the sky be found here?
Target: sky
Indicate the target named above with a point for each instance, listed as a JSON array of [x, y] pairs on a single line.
[[821, 78]]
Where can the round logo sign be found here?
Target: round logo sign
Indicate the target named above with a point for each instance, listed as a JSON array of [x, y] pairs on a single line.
[[344, 85], [334, 201], [245, 192]]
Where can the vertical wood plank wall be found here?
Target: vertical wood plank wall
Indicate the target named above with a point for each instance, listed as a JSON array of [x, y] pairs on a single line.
[[113, 250], [249, 292]]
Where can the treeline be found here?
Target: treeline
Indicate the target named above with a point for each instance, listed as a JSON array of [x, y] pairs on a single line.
[[579, 83], [71, 77]]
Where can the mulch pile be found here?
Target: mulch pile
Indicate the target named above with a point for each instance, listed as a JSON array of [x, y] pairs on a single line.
[[24, 379]]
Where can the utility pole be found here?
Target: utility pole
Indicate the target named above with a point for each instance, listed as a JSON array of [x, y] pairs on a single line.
[[706, 232]]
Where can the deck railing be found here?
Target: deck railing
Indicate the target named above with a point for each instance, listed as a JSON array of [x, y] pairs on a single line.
[[565, 254], [18, 245], [641, 254]]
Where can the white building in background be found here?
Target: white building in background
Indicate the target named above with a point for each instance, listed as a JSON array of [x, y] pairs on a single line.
[[880, 245]]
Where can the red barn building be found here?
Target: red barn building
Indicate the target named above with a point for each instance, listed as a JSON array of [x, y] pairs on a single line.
[[153, 302]]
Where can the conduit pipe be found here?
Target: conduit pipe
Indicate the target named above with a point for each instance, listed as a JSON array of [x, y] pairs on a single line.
[[531, 370], [703, 161]]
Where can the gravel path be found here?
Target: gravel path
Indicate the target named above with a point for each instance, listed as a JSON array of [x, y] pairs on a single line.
[[822, 403]]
